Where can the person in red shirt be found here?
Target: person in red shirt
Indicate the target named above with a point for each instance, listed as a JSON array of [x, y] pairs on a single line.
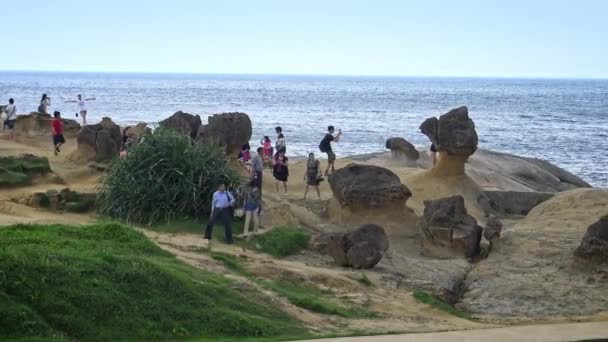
[[57, 129]]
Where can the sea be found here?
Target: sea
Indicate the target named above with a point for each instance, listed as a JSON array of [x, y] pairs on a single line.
[[564, 121]]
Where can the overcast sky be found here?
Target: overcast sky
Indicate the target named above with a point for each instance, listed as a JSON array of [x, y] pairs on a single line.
[[509, 38]]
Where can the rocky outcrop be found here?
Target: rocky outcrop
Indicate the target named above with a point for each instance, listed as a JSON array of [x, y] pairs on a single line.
[[35, 124], [99, 142], [184, 123], [594, 244], [231, 130], [516, 202], [139, 130], [361, 248], [402, 149], [63, 200], [448, 225], [365, 187], [501, 171], [455, 139], [534, 273]]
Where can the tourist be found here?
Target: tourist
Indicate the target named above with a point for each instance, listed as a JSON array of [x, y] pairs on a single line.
[[257, 168], [222, 205], [82, 107], [57, 130], [253, 201], [245, 157], [11, 117], [267, 150], [434, 154], [280, 170], [127, 141], [280, 144], [45, 103], [312, 176], [325, 147]]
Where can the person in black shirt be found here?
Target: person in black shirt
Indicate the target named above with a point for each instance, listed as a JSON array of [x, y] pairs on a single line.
[[325, 147]]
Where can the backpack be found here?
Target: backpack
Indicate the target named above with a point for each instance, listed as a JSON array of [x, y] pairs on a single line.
[[324, 146]]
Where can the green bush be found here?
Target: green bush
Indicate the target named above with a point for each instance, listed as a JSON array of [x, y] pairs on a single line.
[[167, 176], [107, 282], [20, 170], [282, 241]]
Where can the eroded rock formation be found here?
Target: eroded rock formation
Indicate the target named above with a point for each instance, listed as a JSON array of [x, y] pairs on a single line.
[[402, 149], [361, 248], [36, 124], [594, 244], [455, 139], [184, 123], [231, 130], [99, 142]]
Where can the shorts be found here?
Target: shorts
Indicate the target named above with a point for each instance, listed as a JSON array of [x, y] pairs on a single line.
[[58, 139], [433, 148], [331, 156], [10, 124]]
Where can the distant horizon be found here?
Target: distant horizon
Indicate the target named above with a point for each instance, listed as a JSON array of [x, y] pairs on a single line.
[[514, 77]]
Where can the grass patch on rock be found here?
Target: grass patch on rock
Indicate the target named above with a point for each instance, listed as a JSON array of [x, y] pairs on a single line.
[[280, 242], [15, 171], [108, 282], [427, 298]]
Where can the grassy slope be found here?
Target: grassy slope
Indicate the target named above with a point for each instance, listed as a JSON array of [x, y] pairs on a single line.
[[17, 171], [107, 282]]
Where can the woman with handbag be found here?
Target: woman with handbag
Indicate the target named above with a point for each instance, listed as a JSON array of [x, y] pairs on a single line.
[[253, 200], [312, 176]]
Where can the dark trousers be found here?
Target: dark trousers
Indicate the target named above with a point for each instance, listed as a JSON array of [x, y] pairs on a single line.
[[259, 179], [224, 214]]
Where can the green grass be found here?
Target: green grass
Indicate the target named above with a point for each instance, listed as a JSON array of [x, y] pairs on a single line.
[[230, 261], [108, 282], [314, 299], [280, 242], [363, 279], [16, 171], [427, 298]]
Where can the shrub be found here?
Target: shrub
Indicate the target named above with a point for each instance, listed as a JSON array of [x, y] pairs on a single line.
[[282, 241], [20, 170], [166, 176]]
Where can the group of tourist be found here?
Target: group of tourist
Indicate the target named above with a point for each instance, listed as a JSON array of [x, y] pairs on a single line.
[[223, 201]]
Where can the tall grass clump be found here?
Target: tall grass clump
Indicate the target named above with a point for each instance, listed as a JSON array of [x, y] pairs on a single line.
[[167, 176]]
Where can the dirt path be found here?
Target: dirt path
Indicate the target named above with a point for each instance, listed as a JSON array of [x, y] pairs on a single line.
[[546, 333]]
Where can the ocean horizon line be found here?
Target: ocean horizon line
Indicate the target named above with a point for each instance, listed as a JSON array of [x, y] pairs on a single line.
[[354, 76]]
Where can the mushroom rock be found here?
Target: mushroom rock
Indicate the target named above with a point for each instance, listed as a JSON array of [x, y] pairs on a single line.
[[455, 139], [402, 149]]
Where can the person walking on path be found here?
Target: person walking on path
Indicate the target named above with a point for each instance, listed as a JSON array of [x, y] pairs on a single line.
[[11, 117], [280, 170], [280, 144], [57, 130], [45, 103], [222, 204], [253, 201], [325, 147], [82, 107], [312, 176]]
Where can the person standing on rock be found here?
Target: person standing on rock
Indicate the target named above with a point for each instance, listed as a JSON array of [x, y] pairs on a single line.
[[82, 107], [325, 147], [45, 103], [280, 170], [11, 117], [57, 130], [280, 144], [312, 176], [222, 204]]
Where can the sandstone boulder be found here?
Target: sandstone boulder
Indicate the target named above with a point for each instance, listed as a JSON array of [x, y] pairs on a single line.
[[35, 124], [493, 228], [594, 244], [231, 130], [516, 202], [184, 123], [402, 149], [448, 225], [99, 142], [361, 248], [139, 130], [368, 187]]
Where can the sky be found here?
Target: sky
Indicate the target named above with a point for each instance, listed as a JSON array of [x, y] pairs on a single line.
[[508, 38]]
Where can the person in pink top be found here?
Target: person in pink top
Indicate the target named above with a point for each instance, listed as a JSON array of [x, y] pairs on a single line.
[[267, 146]]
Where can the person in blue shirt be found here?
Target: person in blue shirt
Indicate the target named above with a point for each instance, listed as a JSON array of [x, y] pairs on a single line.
[[221, 209]]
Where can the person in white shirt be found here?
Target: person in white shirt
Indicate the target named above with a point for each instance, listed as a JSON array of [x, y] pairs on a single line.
[[11, 117], [82, 107], [222, 205]]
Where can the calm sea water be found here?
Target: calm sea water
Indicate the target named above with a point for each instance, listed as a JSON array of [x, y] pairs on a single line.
[[563, 121]]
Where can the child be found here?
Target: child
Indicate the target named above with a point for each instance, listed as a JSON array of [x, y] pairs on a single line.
[[267, 146], [57, 130], [253, 201]]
